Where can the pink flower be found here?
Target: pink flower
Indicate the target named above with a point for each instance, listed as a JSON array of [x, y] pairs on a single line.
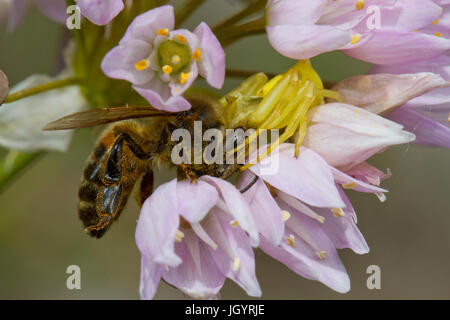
[[54, 9], [419, 101], [162, 63], [304, 29], [318, 218], [194, 236], [427, 115]]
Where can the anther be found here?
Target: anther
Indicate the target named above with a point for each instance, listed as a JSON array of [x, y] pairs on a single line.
[[179, 235], [349, 185], [435, 21], [167, 69], [356, 38], [291, 241], [197, 54], [360, 5], [184, 77], [181, 38], [321, 254], [438, 34], [236, 264], [162, 32], [234, 223], [286, 215], [338, 212], [142, 65]]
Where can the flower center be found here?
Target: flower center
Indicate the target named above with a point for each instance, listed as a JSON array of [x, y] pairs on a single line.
[[174, 56]]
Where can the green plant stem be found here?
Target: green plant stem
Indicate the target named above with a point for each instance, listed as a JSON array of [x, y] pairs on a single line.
[[189, 7], [233, 73], [41, 88], [231, 34], [13, 164], [245, 12]]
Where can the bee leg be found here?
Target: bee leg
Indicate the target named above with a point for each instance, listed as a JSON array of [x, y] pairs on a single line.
[[146, 187], [99, 229]]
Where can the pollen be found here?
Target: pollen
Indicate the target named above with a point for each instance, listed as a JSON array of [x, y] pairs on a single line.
[[435, 21], [356, 38], [163, 32], [179, 235], [175, 59], [184, 77], [338, 212], [181, 38], [142, 65], [234, 223], [291, 241], [322, 255], [350, 185], [197, 54], [236, 264], [286, 215], [167, 69], [438, 34], [360, 5]]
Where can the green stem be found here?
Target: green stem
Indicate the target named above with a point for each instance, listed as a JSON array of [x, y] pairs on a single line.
[[248, 10], [231, 34], [41, 88], [189, 7], [13, 164], [233, 73]]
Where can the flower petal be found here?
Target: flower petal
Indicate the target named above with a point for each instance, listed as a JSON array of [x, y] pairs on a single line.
[[100, 12], [345, 135], [381, 93], [21, 121], [150, 276], [307, 177], [198, 276], [390, 47], [234, 255], [195, 199], [294, 12], [235, 205], [145, 25], [303, 259], [266, 212], [211, 64], [158, 95], [120, 62], [306, 41], [158, 224]]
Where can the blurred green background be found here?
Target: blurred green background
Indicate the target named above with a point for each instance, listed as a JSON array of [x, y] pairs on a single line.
[[40, 234]]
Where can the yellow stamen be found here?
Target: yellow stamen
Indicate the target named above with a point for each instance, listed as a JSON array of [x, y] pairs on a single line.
[[162, 32], [438, 34], [448, 117], [184, 77], [286, 215], [321, 254], [338, 212], [291, 241], [349, 185], [197, 54], [435, 21], [360, 5], [236, 264], [356, 38], [181, 38], [167, 69], [175, 59], [234, 223], [179, 235], [142, 65]]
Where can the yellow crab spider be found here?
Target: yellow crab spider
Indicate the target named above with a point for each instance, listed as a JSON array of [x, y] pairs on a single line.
[[279, 103]]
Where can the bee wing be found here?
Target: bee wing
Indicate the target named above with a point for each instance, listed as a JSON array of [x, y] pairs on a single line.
[[101, 116]]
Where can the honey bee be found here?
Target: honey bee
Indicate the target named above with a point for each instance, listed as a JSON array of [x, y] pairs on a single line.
[[127, 150]]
